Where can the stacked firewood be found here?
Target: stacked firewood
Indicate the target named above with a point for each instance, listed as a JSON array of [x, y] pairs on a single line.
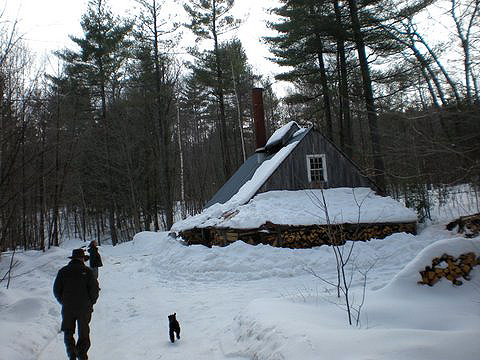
[[446, 266], [295, 237], [310, 236], [468, 225]]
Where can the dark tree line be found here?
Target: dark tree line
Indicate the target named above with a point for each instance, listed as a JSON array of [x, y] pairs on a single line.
[[364, 73], [94, 151], [126, 137]]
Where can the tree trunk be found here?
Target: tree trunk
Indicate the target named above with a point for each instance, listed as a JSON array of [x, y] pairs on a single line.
[[162, 113], [345, 114], [453, 86], [182, 174], [223, 121], [424, 64], [368, 94], [323, 81], [111, 200], [239, 113], [325, 89], [465, 41], [41, 190]]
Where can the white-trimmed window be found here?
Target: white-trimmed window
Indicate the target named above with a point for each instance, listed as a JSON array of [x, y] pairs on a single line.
[[317, 168]]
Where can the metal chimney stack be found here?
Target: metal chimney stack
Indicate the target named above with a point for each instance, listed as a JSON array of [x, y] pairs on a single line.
[[259, 117]]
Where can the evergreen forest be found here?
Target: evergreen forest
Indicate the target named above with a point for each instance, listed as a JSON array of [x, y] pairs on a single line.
[[129, 135]]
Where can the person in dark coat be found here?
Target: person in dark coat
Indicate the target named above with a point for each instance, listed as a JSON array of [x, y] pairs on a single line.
[[76, 289], [95, 258]]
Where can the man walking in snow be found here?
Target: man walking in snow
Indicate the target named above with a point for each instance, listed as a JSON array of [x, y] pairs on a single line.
[[76, 289]]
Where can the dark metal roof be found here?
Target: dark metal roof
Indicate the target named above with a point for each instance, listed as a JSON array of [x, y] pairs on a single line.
[[248, 168]]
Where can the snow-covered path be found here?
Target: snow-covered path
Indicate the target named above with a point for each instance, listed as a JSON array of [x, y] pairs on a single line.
[[130, 318], [137, 327]]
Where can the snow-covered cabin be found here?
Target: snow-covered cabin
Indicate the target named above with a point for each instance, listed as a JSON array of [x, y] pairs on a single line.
[[297, 190], [293, 158]]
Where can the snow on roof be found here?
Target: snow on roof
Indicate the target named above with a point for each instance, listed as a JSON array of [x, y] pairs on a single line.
[[255, 171], [243, 195], [303, 207], [280, 133]]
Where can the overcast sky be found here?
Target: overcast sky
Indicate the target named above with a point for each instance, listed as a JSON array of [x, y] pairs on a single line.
[[46, 24]]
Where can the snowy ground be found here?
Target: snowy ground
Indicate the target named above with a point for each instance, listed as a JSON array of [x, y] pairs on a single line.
[[246, 302]]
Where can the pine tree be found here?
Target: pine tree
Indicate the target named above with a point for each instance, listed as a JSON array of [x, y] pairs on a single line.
[[306, 43], [237, 85], [316, 39], [208, 20], [103, 51]]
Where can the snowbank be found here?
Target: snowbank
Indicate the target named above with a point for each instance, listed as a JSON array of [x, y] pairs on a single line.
[[402, 321], [304, 207]]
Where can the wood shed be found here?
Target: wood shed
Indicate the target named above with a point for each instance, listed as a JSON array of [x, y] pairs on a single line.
[[298, 190]]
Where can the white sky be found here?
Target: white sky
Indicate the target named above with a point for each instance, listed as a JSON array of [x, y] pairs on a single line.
[[47, 24]]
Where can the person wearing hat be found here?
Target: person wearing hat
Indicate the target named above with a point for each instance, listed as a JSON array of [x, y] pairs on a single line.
[[76, 289], [95, 258]]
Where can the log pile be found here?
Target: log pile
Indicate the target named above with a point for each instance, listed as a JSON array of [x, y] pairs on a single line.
[[468, 225], [446, 266], [295, 237]]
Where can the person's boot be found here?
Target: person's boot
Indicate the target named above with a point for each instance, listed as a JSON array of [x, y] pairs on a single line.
[[72, 355]]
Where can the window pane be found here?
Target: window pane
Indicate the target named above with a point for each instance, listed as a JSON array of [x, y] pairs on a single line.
[[316, 167], [317, 175], [316, 163]]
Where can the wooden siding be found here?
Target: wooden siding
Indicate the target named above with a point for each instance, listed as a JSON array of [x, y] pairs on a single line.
[[292, 172]]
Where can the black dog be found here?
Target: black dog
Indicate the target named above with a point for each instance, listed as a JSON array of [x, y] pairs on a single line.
[[174, 327]]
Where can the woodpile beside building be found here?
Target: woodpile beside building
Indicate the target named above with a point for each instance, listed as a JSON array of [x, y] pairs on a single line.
[[450, 268], [295, 237]]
